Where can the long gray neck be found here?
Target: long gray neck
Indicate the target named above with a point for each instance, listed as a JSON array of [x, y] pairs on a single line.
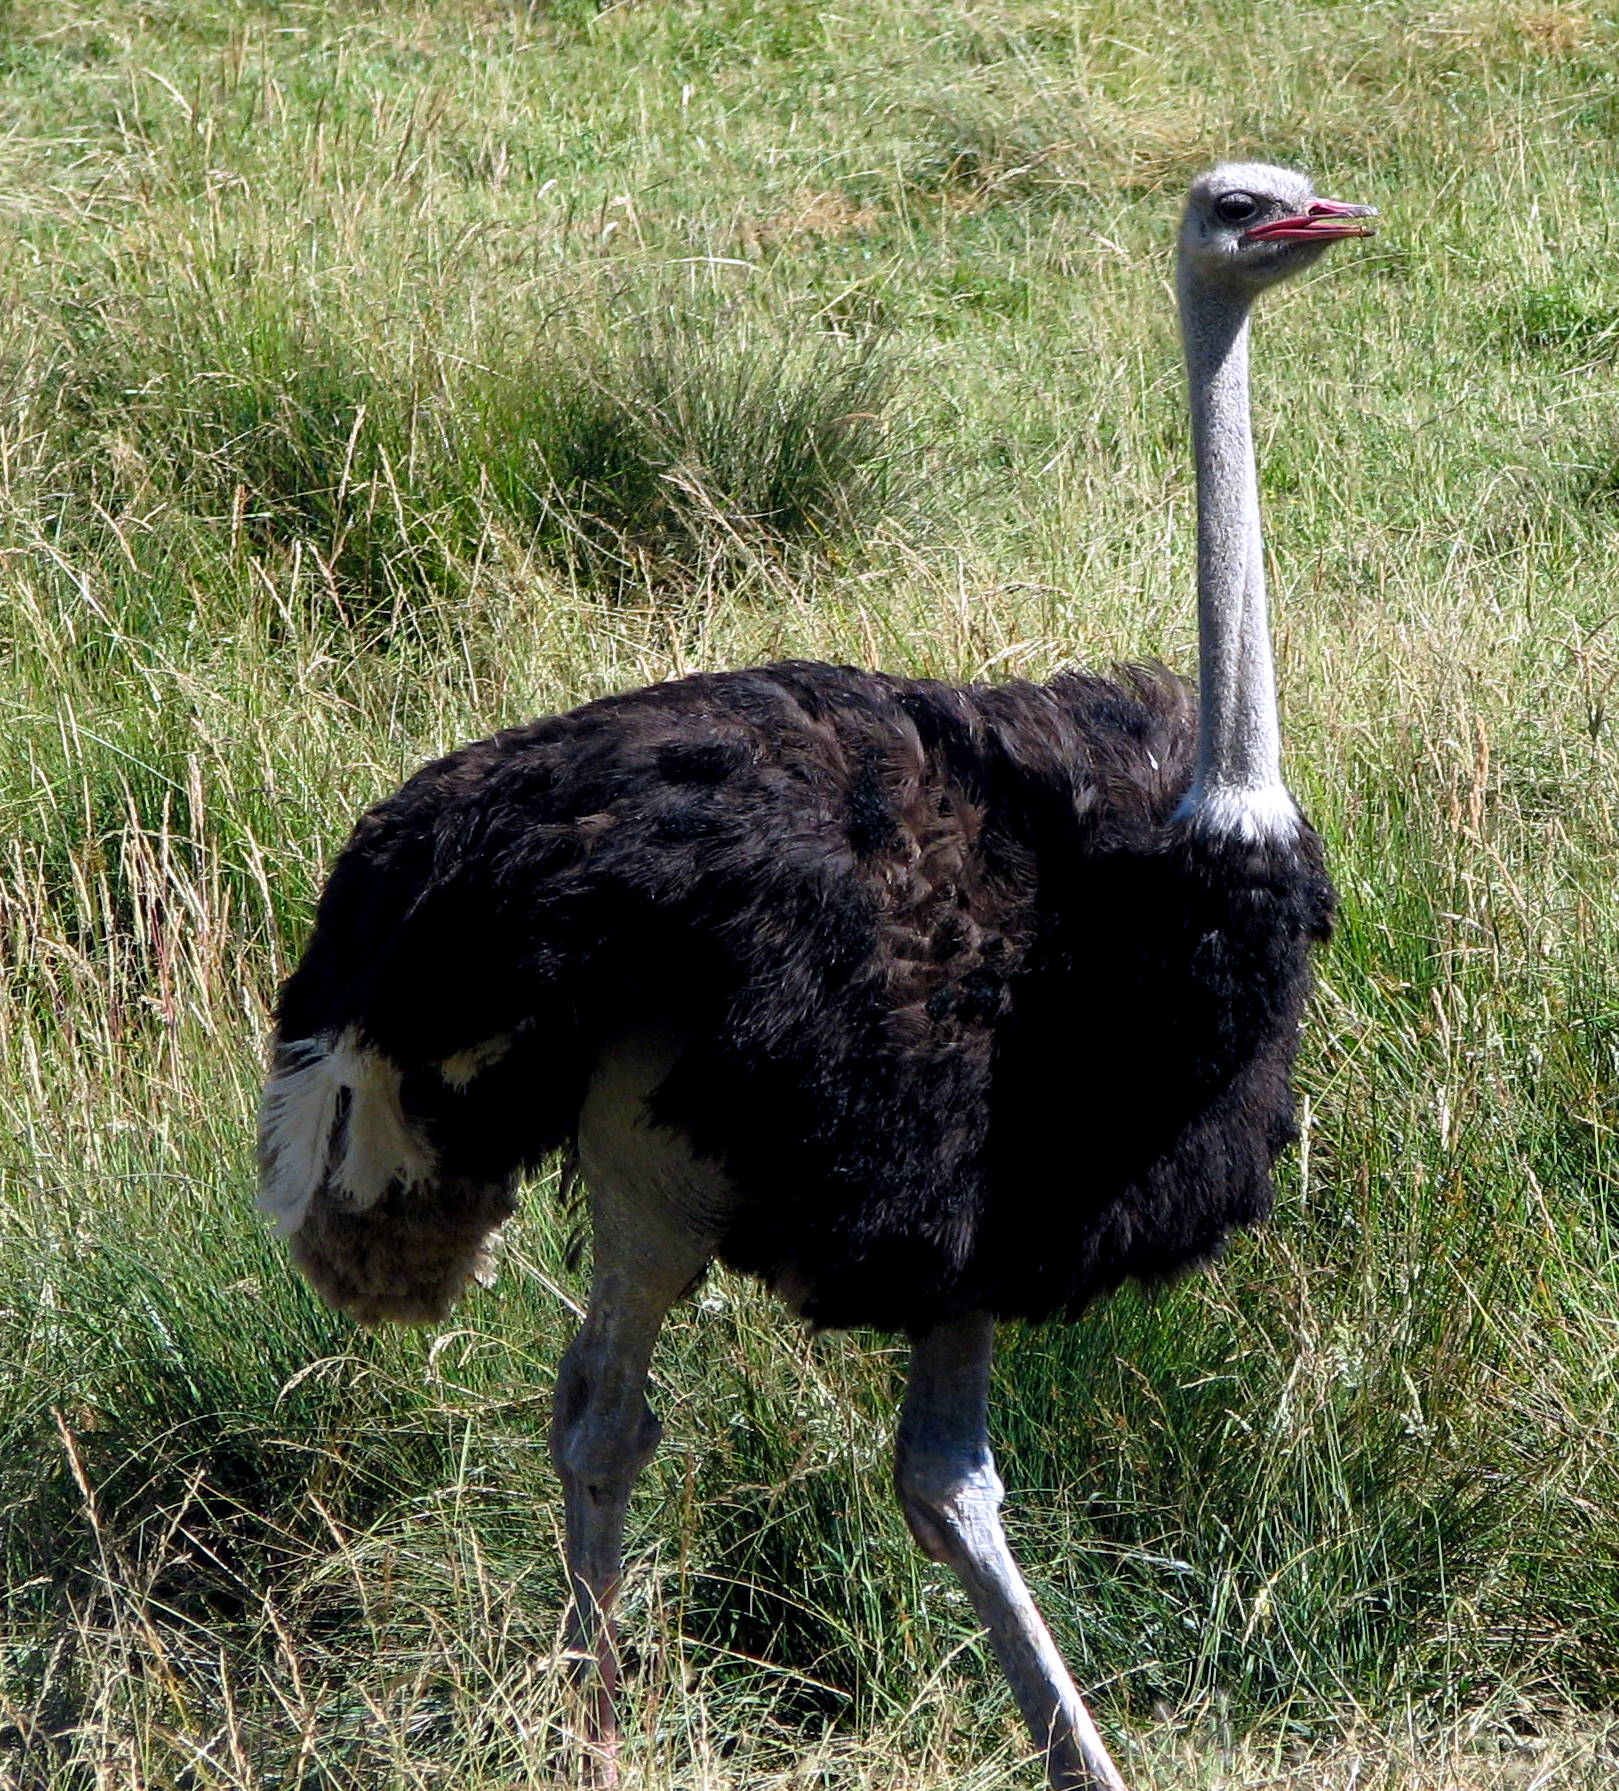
[[1238, 785]]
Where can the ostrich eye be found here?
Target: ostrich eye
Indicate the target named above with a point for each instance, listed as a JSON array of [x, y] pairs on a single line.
[[1236, 208]]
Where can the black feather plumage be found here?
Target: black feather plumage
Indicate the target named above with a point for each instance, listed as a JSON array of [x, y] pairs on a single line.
[[968, 1018]]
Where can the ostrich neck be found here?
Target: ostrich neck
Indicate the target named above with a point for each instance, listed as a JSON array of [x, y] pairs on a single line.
[[1238, 783]]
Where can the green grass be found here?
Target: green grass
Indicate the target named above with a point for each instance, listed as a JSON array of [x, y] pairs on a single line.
[[372, 376]]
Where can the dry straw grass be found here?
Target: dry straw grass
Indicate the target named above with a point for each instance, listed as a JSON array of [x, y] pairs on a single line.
[[305, 306]]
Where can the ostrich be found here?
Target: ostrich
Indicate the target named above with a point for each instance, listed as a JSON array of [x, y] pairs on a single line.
[[812, 971]]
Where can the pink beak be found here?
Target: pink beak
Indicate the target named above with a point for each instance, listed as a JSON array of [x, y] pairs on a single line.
[[1321, 221]]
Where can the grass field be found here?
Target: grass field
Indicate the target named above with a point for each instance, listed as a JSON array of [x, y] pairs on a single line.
[[374, 375]]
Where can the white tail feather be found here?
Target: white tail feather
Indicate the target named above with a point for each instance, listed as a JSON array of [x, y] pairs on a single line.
[[299, 1119]]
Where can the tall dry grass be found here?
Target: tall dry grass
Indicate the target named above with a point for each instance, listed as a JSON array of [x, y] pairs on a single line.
[[374, 376]]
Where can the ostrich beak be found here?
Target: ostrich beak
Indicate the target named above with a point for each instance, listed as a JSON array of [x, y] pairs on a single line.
[[1321, 221]]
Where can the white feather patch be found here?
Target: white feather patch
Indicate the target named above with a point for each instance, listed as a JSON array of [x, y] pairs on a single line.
[[301, 1123], [1266, 815], [296, 1116]]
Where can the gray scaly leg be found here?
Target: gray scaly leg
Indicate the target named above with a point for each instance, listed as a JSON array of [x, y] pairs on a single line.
[[650, 1247], [602, 1434], [951, 1496]]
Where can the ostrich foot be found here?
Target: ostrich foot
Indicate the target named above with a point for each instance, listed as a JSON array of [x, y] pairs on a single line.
[[587, 1755]]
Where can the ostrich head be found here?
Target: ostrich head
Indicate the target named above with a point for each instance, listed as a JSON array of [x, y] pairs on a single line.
[[1248, 225]]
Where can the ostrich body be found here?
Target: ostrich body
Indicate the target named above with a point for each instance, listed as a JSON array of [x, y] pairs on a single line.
[[811, 970]]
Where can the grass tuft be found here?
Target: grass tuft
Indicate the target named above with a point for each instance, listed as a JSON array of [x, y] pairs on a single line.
[[688, 455]]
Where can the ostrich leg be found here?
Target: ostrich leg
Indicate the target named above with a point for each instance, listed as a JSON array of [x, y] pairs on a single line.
[[602, 1435], [648, 1252], [951, 1496]]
